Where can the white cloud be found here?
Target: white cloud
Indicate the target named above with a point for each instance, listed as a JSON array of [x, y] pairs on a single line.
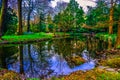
[[85, 3], [82, 3], [54, 3]]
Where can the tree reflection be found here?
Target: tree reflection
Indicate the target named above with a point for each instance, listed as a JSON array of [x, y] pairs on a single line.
[[8, 55], [38, 61], [2, 58], [21, 59]]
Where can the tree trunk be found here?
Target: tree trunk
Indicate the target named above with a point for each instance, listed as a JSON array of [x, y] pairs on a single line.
[[64, 32], [28, 22], [30, 4], [3, 14], [20, 17], [118, 35], [111, 18]]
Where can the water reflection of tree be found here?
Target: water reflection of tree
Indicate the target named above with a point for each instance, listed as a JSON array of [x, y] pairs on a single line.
[[38, 60], [94, 44], [2, 58], [78, 46], [8, 55], [21, 59], [62, 47], [66, 48]]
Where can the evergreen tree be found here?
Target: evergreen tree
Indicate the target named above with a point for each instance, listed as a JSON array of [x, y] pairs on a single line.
[[98, 16]]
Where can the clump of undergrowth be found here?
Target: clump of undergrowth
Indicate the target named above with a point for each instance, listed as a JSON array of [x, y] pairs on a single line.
[[113, 63], [9, 75], [75, 60]]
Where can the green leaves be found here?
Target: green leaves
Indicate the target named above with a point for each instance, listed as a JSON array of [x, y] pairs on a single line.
[[98, 14], [71, 17]]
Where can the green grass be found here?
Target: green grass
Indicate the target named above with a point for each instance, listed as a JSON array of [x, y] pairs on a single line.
[[106, 36], [26, 37], [33, 79]]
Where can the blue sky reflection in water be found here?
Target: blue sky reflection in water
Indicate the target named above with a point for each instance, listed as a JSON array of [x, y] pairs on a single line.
[[57, 63], [45, 60]]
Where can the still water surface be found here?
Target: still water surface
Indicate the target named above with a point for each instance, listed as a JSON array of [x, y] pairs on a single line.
[[48, 58]]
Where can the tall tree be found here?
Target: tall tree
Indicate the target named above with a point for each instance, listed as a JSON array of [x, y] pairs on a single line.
[[20, 17], [72, 9], [30, 9], [49, 22], [118, 33], [111, 18], [98, 16], [79, 17], [2, 17]]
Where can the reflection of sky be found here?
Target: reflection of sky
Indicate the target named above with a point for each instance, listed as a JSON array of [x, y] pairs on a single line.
[[56, 63], [59, 65]]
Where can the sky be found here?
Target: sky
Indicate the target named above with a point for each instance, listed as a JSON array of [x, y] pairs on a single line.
[[82, 3]]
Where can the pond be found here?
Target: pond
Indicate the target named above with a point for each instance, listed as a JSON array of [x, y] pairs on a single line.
[[51, 58]]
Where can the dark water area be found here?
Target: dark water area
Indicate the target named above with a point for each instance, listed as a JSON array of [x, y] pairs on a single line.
[[48, 58]]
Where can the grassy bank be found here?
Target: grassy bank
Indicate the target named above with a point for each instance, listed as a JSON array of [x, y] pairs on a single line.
[[27, 37]]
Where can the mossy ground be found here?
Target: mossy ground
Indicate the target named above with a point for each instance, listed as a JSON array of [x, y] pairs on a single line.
[[9, 75], [95, 74], [111, 61]]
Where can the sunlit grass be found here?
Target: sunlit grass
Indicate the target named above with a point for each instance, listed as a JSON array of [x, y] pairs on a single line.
[[33, 79], [106, 36], [26, 37]]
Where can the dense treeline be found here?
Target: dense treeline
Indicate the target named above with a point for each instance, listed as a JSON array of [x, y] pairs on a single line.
[[20, 16]]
